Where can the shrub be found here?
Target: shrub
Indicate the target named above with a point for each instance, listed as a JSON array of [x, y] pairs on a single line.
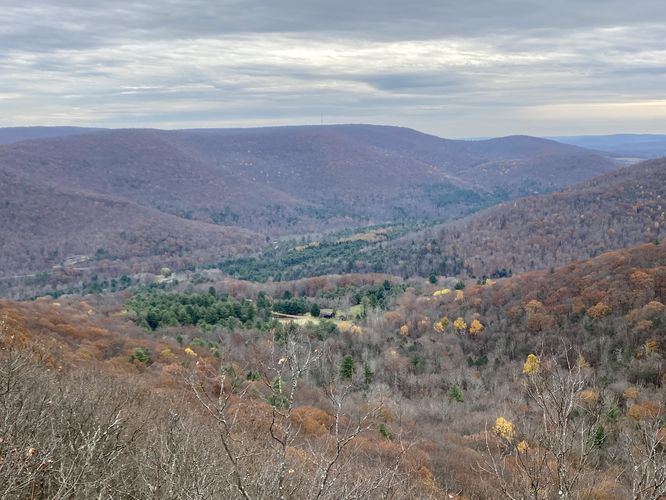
[[142, 355], [455, 394], [599, 437], [385, 432]]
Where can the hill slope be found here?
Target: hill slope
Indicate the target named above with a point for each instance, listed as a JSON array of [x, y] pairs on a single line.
[[9, 135], [339, 174], [438, 369], [285, 180], [373, 159], [44, 226], [616, 210], [143, 166]]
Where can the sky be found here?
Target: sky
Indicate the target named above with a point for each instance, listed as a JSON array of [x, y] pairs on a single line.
[[473, 68]]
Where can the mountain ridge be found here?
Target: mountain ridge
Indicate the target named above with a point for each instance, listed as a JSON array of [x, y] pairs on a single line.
[[271, 182], [619, 209]]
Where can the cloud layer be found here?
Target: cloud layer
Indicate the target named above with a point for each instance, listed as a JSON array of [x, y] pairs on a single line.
[[450, 68]]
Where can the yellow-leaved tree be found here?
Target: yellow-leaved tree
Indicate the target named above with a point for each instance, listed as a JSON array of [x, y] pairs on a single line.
[[345, 326], [522, 447], [532, 365], [504, 428], [476, 327], [440, 326], [460, 325], [566, 419]]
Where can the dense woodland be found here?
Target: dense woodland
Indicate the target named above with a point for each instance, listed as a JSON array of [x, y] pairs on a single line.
[[163, 351], [204, 195], [544, 382], [614, 211], [618, 210]]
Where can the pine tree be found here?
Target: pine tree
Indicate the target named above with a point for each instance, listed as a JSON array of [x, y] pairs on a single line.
[[347, 367]]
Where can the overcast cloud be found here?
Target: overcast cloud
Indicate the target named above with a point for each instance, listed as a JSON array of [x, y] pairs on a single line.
[[455, 69]]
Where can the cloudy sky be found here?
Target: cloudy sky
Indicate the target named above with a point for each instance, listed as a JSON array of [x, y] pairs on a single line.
[[452, 68]]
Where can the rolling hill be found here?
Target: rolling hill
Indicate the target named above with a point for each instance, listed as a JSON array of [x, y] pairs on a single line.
[[10, 135], [613, 211], [368, 159], [278, 178], [45, 226], [178, 192]]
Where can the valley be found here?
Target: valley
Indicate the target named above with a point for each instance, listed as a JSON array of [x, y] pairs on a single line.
[[336, 311]]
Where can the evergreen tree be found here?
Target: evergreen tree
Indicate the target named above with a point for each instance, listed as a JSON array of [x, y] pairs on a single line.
[[455, 394], [347, 367]]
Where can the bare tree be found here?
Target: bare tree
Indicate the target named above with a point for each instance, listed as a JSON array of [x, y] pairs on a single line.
[[297, 465], [548, 456], [645, 442]]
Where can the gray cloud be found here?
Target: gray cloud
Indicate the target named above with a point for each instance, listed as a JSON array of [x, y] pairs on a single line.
[[450, 68]]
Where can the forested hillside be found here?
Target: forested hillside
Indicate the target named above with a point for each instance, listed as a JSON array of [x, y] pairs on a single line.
[[9, 135], [355, 161], [424, 390], [318, 302], [163, 363], [45, 226], [274, 182], [617, 210]]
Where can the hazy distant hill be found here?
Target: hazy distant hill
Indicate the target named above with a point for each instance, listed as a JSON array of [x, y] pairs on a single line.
[[44, 226], [629, 145], [10, 135], [297, 179], [145, 166], [616, 210], [369, 158], [80, 193]]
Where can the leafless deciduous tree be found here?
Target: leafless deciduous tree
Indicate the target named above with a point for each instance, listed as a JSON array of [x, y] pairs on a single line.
[[645, 443], [548, 456], [298, 465]]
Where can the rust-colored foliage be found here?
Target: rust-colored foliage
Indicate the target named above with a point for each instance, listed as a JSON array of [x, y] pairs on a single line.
[[645, 410], [394, 318], [598, 311], [312, 421], [631, 393], [588, 397], [476, 327]]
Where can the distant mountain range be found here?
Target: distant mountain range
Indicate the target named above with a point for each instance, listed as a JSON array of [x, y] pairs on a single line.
[[10, 135], [627, 145], [134, 193]]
